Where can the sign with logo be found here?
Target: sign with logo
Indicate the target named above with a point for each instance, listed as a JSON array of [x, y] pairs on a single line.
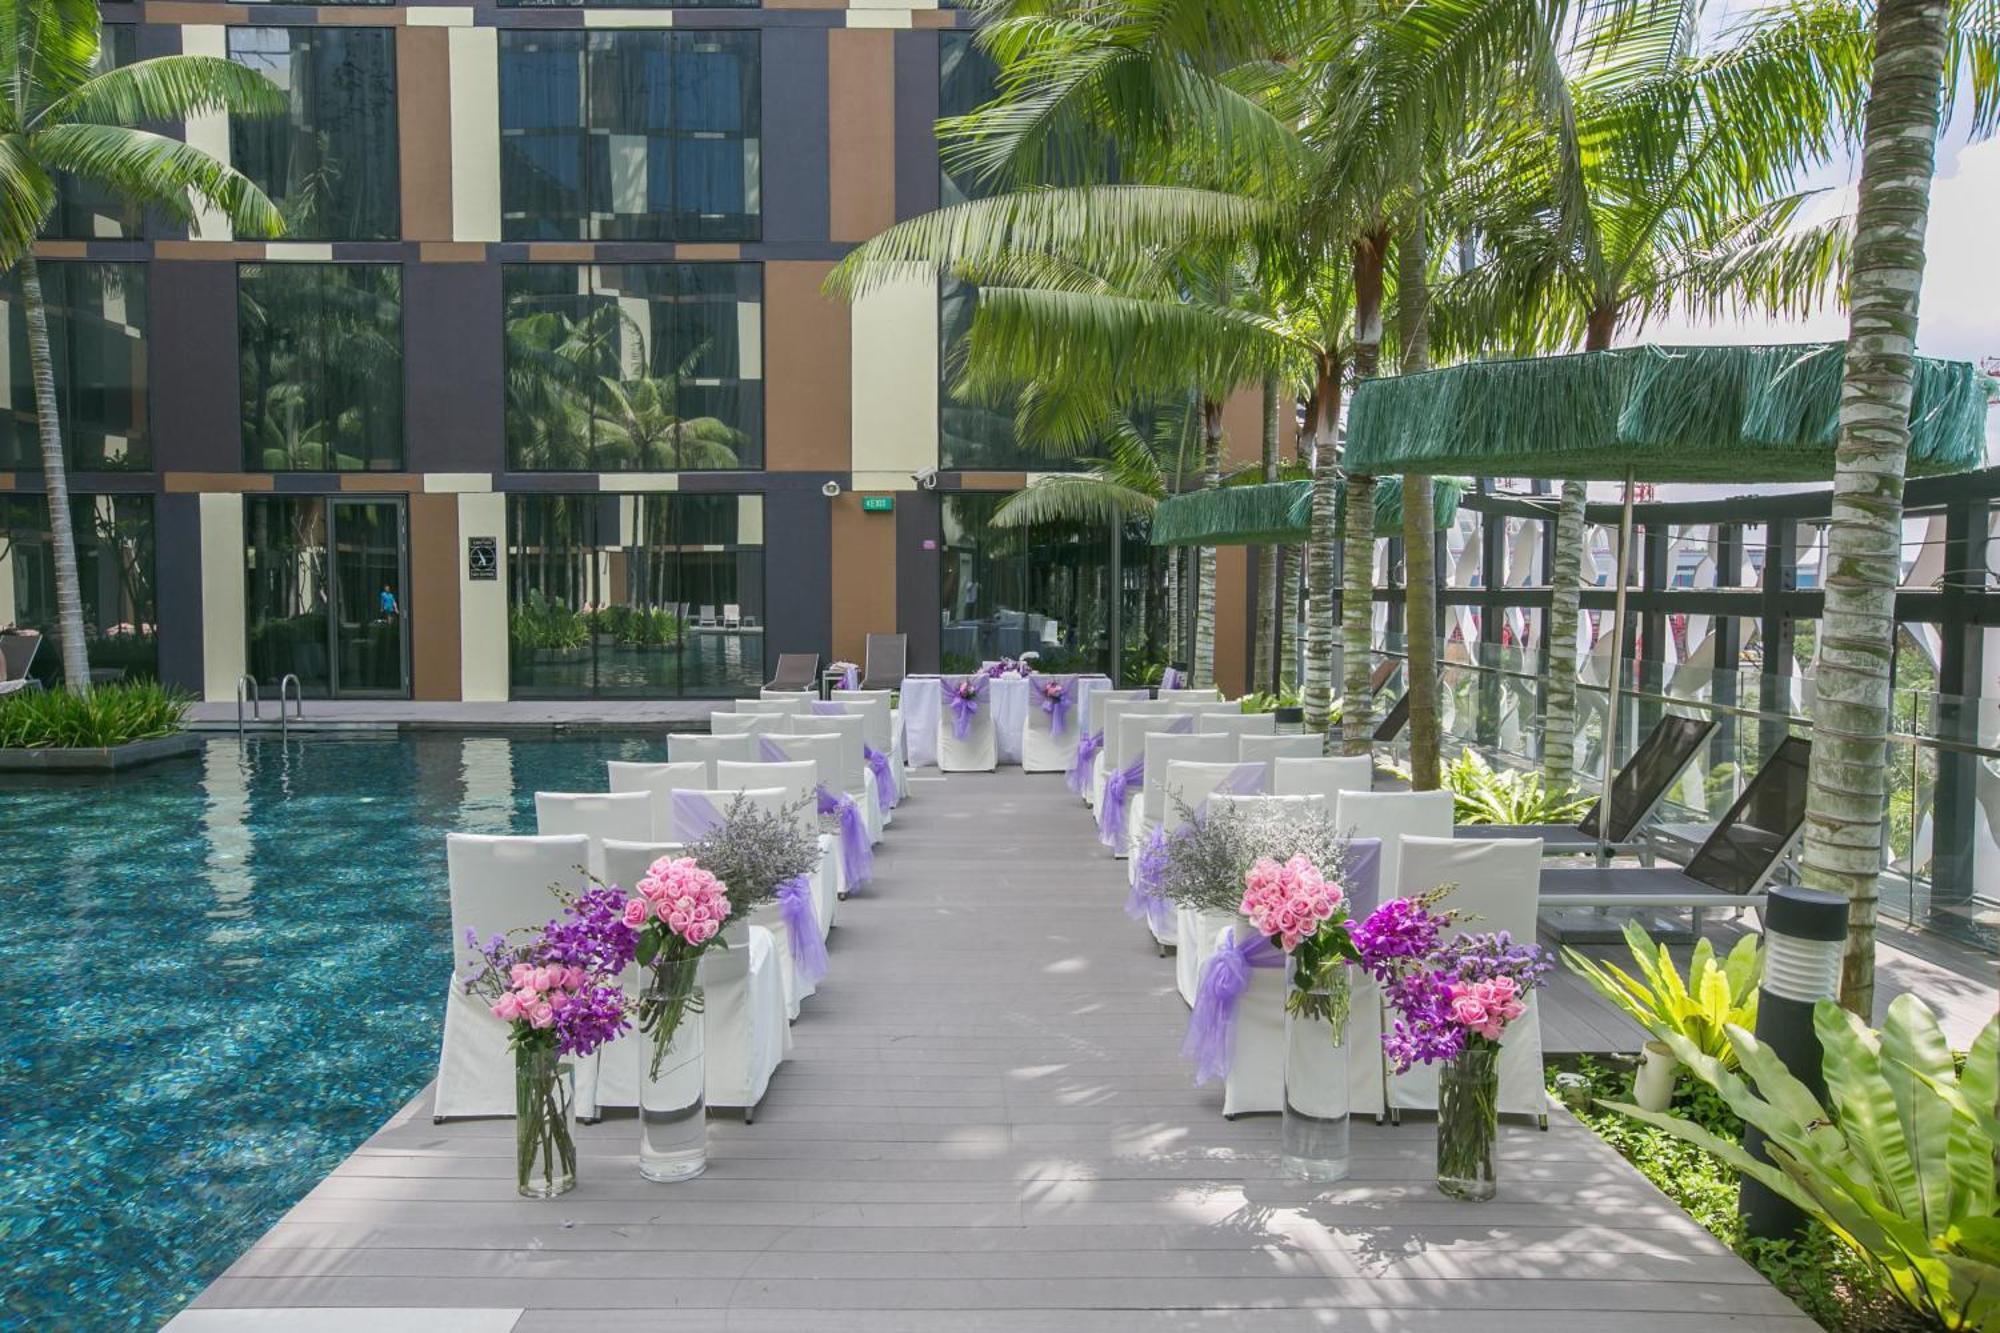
[[877, 504], [482, 558]]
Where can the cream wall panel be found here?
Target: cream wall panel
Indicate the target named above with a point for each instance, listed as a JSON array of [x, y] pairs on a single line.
[[628, 18], [208, 131], [224, 656], [859, 17], [482, 605], [458, 481], [749, 520], [475, 134], [895, 401]]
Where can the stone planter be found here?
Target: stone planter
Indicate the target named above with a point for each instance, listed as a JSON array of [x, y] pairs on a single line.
[[113, 759]]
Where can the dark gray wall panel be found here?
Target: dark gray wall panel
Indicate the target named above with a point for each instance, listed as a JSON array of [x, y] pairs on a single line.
[[191, 343], [798, 587], [919, 519], [177, 585], [916, 123], [452, 365], [795, 136]]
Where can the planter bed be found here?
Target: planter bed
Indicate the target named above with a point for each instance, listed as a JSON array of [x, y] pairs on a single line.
[[112, 759]]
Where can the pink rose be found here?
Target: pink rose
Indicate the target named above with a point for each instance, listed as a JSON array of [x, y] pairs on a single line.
[[519, 975], [1468, 1009], [677, 921], [635, 913], [543, 1016], [527, 998], [574, 978], [507, 1008]]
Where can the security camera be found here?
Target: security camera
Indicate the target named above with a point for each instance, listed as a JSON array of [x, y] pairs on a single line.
[[830, 489], [927, 478]]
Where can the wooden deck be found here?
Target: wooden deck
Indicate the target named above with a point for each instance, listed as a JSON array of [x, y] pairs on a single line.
[[985, 1126]]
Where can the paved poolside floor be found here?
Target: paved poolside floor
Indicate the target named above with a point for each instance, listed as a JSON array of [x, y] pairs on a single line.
[[985, 1126]]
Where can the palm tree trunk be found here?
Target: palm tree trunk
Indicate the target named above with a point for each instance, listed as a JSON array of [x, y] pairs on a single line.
[[1263, 664], [1419, 521], [1316, 685], [1565, 601], [1846, 783], [1357, 619], [62, 537], [1202, 663]]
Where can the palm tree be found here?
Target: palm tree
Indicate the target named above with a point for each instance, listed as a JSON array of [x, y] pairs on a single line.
[[639, 423], [59, 116]]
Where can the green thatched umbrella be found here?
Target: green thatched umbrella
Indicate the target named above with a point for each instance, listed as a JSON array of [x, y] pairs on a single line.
[[1734, 414], [1280, 513]]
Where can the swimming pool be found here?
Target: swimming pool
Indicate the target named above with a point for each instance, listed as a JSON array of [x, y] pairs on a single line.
[[221, 976]]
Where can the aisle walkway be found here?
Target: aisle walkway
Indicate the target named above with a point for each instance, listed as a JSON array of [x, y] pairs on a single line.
[[985, 1127]]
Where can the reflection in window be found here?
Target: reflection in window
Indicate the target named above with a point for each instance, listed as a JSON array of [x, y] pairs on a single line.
[[329, 162], [1045, 589], [634, 367], [86, 211], [322, 366], [635, 595], [114, 565], [629, 136], [97, 342]]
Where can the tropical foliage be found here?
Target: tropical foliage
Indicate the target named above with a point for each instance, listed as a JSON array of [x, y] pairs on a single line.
[[1483, 794], [106, 716], [1700, 1008]]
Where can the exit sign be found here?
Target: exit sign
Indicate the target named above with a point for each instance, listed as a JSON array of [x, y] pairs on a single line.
[[877, 504]]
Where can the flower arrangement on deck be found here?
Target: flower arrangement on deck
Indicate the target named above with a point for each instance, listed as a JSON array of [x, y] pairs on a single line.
[[964, 699], [767, 855], [678, 915]]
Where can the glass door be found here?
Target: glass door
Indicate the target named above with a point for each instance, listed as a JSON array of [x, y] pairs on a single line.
[[325, 595], [368, 620]]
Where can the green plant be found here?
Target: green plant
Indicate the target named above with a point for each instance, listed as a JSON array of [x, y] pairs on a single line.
[[543, 622], [1487, 795], [109, 715], [1899, 1162], [1714, 998], [1263, 701]]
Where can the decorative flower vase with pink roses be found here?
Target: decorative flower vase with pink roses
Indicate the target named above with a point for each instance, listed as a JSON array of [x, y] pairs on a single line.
[[678, 913]]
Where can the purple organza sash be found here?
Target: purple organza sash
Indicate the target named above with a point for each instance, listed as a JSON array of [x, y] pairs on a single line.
[[795, 907], [823, 709], [1117, 790], [1170, 678], [963, 707], [885, 782], [695, 815], [857, 858], [1211, 1030], [1145, 900], [1246, 779], [770, 752], [1179, 726], [1079, 767], [850, 679], [1057, 707]]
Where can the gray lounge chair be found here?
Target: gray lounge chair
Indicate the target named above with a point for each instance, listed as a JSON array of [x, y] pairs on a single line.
[[1636, 792], [796, 672], [17, 654], [888, 661], [1733, 864]]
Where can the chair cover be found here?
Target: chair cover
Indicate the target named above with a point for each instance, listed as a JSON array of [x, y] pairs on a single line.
[[977, 751], [1238, 724], [798, 780], [1092, 706], [747, 724], [1389, 815], [1136, 731], [707, 749], [659, 780], [1189, 694], [1109, 714], [618, 1060], [877, 709], [1193, 786], [1327, 776], [1499, 885], [1044, 749], [743, 1016], [780, 704], [824, 750], [1292, 745], [627, 816], [794, 700], [856, 779], [498, 884], [1150, 809]]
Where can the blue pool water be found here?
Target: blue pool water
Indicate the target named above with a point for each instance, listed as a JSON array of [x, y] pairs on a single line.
[[220, 976]]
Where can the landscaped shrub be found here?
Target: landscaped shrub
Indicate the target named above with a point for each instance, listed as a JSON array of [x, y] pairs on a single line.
[[109, 715], [543, 622], [1701, 1007], [1483, 794]]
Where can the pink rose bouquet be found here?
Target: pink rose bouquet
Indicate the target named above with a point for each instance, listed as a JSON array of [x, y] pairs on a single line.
[[1298, 908], [678, 914]]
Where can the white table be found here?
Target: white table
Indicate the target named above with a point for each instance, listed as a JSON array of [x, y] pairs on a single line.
[[922, 696]]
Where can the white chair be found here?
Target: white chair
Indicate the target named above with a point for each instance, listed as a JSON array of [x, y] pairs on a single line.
[[1128, 756], [1093, 707], [1197, 931], [1292, 745], [1389, 815], [798, 780], [1499, 885], [884, 736], [1327, 776], [685, 746], [1147, 812], [978, 751], [1109, 713], [1187, 789], [824, 751], [1190, 694], [659, 780], [748, 724], [1237, 724], [627, 816], [764, 792], [775, 703], [498, 884], [732, 616], [693, 812], [855, 779], [1043, 750]]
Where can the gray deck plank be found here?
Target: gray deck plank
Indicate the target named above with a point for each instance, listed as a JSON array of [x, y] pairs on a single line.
[[986, 1127]]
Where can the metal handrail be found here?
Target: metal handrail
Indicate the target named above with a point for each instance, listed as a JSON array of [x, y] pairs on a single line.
[[298, 698], [256, 703]]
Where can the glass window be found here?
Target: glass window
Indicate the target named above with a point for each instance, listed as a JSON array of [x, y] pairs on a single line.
[[322, 366], [114, 565], [84, 210], [97, 341], [635, 595], [324, 595], [643, 135], [330, 162], [634, 367]]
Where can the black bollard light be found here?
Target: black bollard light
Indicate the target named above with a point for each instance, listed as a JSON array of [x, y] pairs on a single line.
[[1805, 933]]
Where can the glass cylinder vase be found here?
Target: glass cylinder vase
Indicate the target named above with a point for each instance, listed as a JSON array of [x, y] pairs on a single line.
[[544, 1122], [1468, 1123], [1313, 1140], [673, 1106]]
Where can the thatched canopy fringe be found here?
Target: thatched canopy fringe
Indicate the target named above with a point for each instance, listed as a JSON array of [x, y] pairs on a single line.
[[1280, 513]]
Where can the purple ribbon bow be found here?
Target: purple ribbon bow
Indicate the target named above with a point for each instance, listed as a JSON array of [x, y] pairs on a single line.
[[963, 707], [885, 783], [1145, 902], [857, 859], [795, 906], [1056, 706], [850, 679], [1079, 767], [770, 752], [823, 709], [1211, 1030], [695, 815], [1111, 811], [1170, 678]]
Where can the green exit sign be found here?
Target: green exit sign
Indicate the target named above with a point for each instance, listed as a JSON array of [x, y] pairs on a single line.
[[877, 504]]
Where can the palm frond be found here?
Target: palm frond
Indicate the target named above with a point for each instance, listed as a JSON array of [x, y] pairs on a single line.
[[166, 88], [160, 173]]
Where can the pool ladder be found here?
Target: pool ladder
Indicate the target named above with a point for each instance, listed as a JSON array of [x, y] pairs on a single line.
[[288, 687]]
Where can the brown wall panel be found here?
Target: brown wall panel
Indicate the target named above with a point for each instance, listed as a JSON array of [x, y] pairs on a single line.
[[433, 597], [1243, 427], [218, 481], [423, 119], [1232, 609], [807, 385], [864, 576], [861, 110]]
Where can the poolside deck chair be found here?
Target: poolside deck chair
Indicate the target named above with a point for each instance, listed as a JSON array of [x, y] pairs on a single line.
[[1394, 720], [796, 671], [1636, 791], [17, 654], [886, 662], [1731, 867], [732, 616], [1380, 675]]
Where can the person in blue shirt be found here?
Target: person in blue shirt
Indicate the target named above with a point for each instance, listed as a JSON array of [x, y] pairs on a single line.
[[388, 603]]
